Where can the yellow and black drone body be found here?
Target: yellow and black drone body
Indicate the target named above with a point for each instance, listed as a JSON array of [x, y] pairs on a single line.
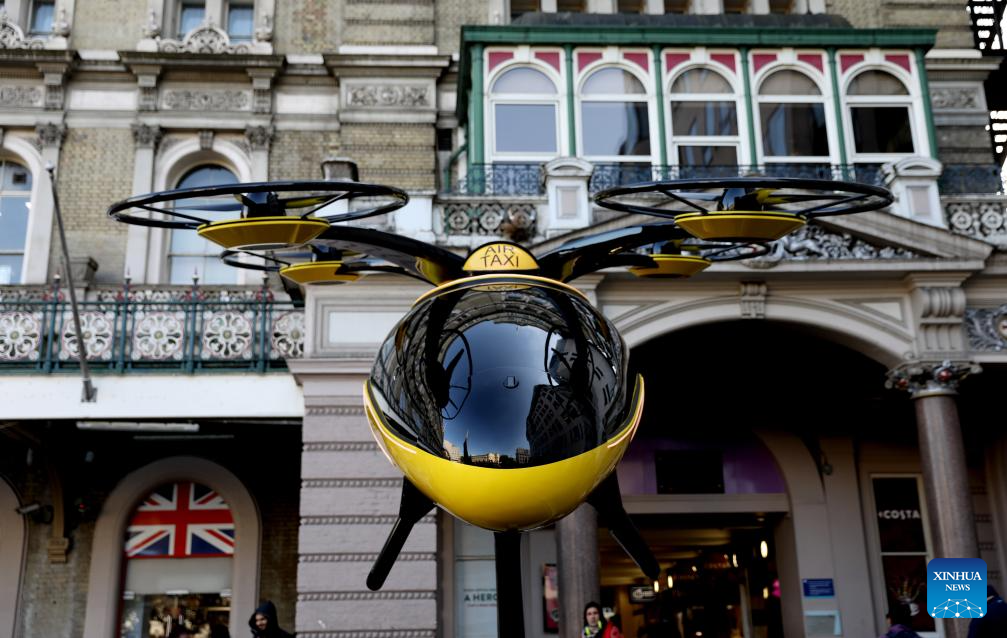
[[503, 395]]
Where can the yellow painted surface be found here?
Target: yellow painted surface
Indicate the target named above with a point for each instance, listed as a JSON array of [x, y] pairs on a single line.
[[500, 258], [262, 232], [318, 272], [753, 226], [672, 266], [506, 499]]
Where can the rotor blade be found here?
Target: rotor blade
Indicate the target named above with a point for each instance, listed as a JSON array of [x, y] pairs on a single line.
[[221, 206]]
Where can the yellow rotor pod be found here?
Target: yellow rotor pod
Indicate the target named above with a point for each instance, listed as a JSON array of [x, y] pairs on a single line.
[[672, 266], [739, 226], [262, 233], [506, 499], [318, 272]]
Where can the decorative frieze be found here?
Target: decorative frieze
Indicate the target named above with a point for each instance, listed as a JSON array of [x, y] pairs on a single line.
[[388, 95], [814, 242], [335, 410], [21, 96], [342, 446], [979, 218], [360, 519], [207, 38], [12, 37], [351, 482], [365, 595], [364, 558], [948, 98], [987, 328], [206, 100]]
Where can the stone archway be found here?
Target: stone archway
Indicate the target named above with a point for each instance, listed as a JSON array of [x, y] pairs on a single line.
[[13, 534], [110, 529]]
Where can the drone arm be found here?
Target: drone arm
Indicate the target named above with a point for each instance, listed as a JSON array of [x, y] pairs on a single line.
[[413, 507], [607, 499], [422, 260], [595, 252]]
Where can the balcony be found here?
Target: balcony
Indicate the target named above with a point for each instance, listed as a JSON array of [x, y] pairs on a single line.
[[167, 329]]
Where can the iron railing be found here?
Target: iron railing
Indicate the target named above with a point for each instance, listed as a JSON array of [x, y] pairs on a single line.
[[180, 330], [961, 179], [505, 179], [514, 218]]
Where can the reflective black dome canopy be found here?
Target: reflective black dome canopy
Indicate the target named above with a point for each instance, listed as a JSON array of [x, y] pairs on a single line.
[[503, 375]]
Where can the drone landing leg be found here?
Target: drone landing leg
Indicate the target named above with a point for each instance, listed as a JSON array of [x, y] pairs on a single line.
[[607, 499], [510, 609], [414, 506]]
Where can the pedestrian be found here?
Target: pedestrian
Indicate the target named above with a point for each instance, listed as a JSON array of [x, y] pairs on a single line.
[[994, 621], [612, 627], [900, 617], [592, 620], [263, 622]]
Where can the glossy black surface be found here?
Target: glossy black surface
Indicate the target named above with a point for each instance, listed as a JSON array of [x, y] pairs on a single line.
[[503, 375]]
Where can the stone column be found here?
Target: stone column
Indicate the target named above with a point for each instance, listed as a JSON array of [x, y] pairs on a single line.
[[146, 138], [933, 387], [578, 566]]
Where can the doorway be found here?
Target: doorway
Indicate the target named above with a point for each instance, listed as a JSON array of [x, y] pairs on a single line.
[[720, 578]]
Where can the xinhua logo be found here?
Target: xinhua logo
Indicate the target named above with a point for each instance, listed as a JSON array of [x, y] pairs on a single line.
[[956, 588]]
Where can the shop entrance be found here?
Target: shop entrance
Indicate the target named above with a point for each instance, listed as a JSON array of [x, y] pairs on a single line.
[[720, 578]]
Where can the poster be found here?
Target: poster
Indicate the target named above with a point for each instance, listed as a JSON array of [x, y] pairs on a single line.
[[550, 594]]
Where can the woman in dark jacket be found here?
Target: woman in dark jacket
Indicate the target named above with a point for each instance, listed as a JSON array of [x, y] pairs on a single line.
[[263, 622]]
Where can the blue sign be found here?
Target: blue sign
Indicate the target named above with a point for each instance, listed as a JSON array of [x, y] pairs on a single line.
[[956, 588], [818, 588]]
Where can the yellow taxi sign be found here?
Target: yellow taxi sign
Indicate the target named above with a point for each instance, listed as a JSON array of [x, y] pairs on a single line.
[[500, 257]]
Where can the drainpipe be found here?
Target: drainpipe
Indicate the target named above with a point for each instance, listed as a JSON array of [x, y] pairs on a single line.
[[446, 178]]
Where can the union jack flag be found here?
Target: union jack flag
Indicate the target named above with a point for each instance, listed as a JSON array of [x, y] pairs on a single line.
[[181, 520]]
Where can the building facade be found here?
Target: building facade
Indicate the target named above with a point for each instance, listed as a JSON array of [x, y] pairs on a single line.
[[819, 428]]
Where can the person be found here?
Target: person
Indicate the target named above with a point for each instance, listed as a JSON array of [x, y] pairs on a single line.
[[263, 622], [592, 620], [900, 618], [612, 629], [994, 621]]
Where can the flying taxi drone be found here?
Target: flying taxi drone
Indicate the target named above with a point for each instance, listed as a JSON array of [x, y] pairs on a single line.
[[503, 395]]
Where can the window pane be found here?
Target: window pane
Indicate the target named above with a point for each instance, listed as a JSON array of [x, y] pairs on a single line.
[[789, 83], [615, 128], [10, 269], [877, 83], [525, 128], [524, 80], [704, 118], [735, 6], [676, 6], [190, 17], [882, 129], [794, 129], [906, 583], [701, 81], [13, 223], [900, 517], [570, 6], [630, 6], [708, 156], [16, 177], [521, 7], [612, 82], [780, 6], [240, 20], [41, 17]]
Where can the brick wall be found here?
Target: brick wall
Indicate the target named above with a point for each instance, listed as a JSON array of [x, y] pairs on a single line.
[[299, 154], [399, 155], [452, 15], [91, 24], [948, 16], [95, 170], [307, 26], [389, 22]]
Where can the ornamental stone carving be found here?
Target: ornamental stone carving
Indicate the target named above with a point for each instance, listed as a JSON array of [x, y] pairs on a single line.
[[21, 96], [259, 137], [264, 32], [388, 95], [930, 378], [147, 136], [490, 218], [20, 336], [12, 37], [984, 219], [955, 98], [158, 335], [228, 335], [206, 100], [815, 242], [50, 134], [152, 29], [97, 328], [287, 338], [207, 38], [987, 328]]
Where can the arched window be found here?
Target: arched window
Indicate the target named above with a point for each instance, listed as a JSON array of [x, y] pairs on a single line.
[[704, 122], [188, 253], [792, 119], [880, 114], [179, 549], [614, 121], [524, 103], [15, 206]]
